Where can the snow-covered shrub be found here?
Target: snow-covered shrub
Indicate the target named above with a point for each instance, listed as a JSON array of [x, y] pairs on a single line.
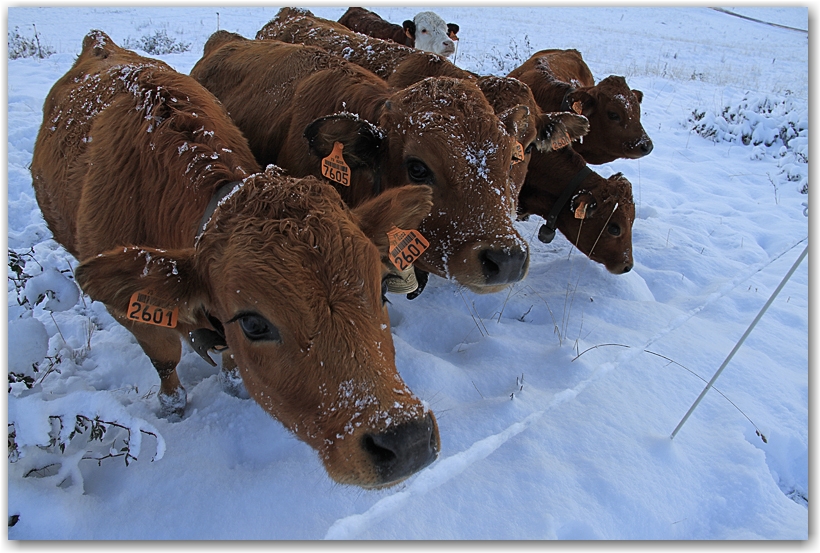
[[772, 127], [501, 63], [42, 431], [157, 44], [24, 47]]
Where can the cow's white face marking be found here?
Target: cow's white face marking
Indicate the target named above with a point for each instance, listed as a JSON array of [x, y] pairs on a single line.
[[431, 34]]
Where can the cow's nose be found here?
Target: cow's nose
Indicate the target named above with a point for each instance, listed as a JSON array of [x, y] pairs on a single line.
[[504, 265], [646, 146], [403, 449]]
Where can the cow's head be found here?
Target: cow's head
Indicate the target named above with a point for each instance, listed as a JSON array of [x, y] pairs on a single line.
[[598, 220], [534, 131], [441, 132], [614, 113], [295, 282], [431, 34]]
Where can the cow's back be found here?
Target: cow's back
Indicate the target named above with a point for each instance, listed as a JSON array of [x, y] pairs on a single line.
[[368, 23], [566, 66], [123, 145]]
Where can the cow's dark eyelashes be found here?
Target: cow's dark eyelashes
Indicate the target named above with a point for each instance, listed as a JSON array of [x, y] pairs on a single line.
[[614, 116], [418, 172], [614, 229], [257, 328]]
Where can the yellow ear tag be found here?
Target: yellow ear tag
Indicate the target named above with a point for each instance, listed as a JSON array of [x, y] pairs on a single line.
[[518, 153], [561, 141], [581, 211], [405, 247], [577, 107], [144, 307], [334, 166]]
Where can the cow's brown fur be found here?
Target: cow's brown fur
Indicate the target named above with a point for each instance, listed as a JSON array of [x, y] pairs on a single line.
[[368, 23], [560, 79], [274, 91], [129, 154]]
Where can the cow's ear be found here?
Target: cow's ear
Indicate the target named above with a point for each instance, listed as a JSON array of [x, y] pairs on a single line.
[[452, 31], [402, 207], [639, 95], [361, 140], [170, 275], [582, 102], [559, 129], [409, 29], [516, 121]]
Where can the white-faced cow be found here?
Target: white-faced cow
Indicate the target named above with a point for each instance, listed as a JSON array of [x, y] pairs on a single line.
[[561, 81], [141, 175], [299, 26], [298, 104], [426, 31]]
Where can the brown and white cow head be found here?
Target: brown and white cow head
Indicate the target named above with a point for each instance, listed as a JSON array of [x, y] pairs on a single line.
[[441, 132], [431, 34], [294, 280], [598, 220], [614, 113]]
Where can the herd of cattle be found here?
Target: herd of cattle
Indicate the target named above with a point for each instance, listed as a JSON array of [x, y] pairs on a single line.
[[252, 206]]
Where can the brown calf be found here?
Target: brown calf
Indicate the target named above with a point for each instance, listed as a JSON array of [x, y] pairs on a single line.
[[551, 168], [426, 31], [594, 213], [295, 103], [142, 176], [561, 81]]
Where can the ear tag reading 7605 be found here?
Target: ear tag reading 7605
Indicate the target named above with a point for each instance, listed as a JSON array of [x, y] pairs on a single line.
[[405, 247], [334, 166], [146, 308]]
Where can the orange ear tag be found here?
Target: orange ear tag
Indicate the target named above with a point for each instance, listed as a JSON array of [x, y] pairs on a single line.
[[577, 107], [561, 141], [581, 211], [144, 307], [405, 247], [518, 153], [334, 166]]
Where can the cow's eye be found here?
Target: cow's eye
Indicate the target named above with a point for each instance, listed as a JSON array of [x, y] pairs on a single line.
[[614, 116], [418, 172], [614, 229], [385, 301], [258, 328]]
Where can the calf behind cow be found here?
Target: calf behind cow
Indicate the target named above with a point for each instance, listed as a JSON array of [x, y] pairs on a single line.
[[142, 177], [426, 31], [298, 104], [561, 81]]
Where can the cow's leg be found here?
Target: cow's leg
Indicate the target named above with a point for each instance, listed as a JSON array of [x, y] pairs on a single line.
[[230, 378], [163, 348]]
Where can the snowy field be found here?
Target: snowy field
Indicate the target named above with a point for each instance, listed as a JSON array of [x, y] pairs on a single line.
[[555, 399]]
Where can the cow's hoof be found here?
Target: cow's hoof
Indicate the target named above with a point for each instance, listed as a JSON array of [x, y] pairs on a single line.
[[172, 406], [232, 383]]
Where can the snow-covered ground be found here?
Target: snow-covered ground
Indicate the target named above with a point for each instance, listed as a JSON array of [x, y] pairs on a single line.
[[555, 400]]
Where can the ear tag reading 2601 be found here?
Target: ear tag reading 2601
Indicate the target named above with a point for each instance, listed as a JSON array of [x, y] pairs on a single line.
[[144, 307], [405, 247], [334, 166]]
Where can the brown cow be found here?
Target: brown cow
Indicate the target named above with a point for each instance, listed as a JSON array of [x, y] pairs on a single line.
[[551, 169], [142, 176], [594, 213], [561, 81], [294, 103], [426, 31]]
